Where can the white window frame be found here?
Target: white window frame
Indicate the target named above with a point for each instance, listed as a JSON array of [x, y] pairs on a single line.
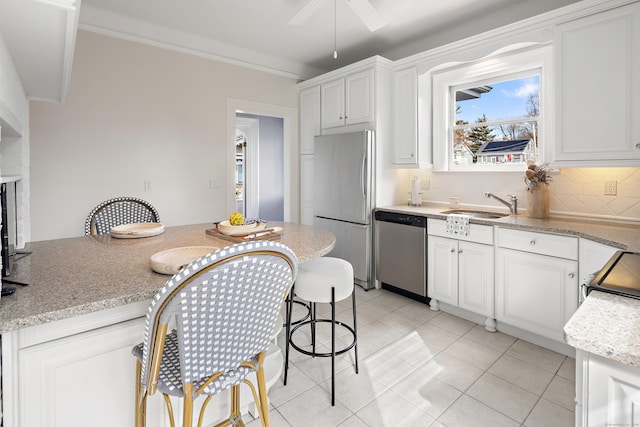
[[538, 60]]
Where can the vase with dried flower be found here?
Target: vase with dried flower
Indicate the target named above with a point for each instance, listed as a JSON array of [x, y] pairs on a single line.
[[537, 178]]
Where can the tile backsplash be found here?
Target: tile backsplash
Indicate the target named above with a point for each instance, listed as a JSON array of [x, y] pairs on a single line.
[[574, 191], [581, 191]]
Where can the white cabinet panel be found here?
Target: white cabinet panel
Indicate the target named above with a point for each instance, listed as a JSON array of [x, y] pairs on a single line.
[[536, 293], [348, 100], [613, 393], [359, 98], [475, 278], [306, 189], [309, 118], [85, 379], [461, 274], [598, 81], [405, 118], [442, 269], [332, 104]]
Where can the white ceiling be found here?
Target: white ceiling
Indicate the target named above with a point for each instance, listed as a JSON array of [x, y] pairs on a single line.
[[40, 34], [256, 32]]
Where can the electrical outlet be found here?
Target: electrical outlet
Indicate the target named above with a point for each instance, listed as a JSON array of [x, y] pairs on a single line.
[[425, 184], [610, 188], [214, 184], [147, 185]]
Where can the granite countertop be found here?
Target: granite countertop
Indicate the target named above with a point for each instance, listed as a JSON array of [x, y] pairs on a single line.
[[607, 325], [69, 277], [619, 235]]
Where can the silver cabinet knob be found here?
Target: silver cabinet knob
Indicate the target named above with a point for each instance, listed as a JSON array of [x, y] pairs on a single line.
[[532, 243], [571, 275], [453, 251], [460, 251], [638, 145]]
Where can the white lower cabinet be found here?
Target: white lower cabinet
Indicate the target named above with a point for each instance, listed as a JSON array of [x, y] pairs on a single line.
[[81, 372], [610, 394], [85, 379], [461, 272], [535, 290]]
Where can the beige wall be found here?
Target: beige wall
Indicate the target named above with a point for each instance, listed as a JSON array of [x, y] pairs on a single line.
[[137, 113]]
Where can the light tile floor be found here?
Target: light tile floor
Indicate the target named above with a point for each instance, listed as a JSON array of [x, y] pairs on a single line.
[[423, 368]]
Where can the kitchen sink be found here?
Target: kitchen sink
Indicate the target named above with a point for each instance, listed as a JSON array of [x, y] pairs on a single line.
[[476, 214]]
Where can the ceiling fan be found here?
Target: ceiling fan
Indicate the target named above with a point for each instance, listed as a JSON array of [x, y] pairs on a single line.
[[362, 8]]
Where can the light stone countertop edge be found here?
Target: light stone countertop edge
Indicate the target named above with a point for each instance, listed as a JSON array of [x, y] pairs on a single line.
[[607, 325]]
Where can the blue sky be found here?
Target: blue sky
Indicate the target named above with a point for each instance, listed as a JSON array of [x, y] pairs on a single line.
[[507, 100]]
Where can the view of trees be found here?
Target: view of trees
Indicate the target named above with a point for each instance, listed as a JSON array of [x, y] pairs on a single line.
[[483, 130]]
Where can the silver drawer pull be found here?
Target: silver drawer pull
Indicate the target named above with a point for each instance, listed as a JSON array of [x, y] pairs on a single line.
[[571, 275], [532, 242]]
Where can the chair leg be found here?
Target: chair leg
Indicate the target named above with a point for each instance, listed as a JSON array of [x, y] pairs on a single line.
[[313, 328], [235, 404], [355, 326], [187, 416], [141, 399], [333, 346], [262, 392], [289, 311]]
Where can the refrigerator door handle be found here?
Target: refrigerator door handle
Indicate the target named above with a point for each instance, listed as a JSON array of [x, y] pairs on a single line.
[[363, 171]]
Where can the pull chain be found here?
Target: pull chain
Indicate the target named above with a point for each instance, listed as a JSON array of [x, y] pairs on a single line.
[[335, 31]]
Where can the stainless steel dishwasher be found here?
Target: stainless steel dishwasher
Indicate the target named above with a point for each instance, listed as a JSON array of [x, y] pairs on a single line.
[[401, 253]]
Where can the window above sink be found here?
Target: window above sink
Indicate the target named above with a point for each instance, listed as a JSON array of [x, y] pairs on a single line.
[[493, 114]]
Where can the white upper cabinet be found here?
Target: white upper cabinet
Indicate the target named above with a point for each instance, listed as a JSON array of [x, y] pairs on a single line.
[[348, 100], [598, 89], [405, 118], [309, 118]]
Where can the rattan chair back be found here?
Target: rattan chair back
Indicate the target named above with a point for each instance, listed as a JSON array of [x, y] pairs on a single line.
[[118, 211]]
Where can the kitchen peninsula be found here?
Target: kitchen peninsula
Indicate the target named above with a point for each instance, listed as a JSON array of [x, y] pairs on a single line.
[[67, 336]]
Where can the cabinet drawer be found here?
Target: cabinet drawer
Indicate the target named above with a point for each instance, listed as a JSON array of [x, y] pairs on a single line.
[[539, 243], [477, 233]]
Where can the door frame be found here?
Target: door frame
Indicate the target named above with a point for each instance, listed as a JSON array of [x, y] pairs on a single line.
[[251, 129], [290, 145]]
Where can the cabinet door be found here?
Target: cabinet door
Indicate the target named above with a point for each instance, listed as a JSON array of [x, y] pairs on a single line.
[[613, 393], [475, 278], [442, 255], [359, 99], [332, 104], [306, 189], [309, 118], [536, 293], [85, 379], [405, 117], [598, 82]]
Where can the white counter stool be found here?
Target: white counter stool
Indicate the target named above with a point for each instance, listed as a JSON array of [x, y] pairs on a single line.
[[323, 280]]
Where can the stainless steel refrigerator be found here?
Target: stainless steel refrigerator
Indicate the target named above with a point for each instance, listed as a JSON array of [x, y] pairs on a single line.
[[344, 197]]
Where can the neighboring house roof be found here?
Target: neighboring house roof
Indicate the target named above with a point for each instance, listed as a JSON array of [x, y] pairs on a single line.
[[493, 148]]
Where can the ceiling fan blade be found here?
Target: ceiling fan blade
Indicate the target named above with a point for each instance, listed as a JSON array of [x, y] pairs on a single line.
[[371, 18], [306, 12]]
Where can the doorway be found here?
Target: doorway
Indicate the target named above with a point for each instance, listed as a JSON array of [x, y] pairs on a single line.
[[288, 167]]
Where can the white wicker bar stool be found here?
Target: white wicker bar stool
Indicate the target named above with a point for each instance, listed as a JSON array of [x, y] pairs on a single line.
[[323, 280]]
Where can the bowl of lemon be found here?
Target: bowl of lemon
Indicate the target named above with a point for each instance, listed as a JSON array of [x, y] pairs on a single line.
[[238, 225]]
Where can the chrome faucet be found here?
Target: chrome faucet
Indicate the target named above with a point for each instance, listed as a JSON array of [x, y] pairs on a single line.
[[512, 204]]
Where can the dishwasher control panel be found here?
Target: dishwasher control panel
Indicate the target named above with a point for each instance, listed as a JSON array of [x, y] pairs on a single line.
[[399, 218]]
